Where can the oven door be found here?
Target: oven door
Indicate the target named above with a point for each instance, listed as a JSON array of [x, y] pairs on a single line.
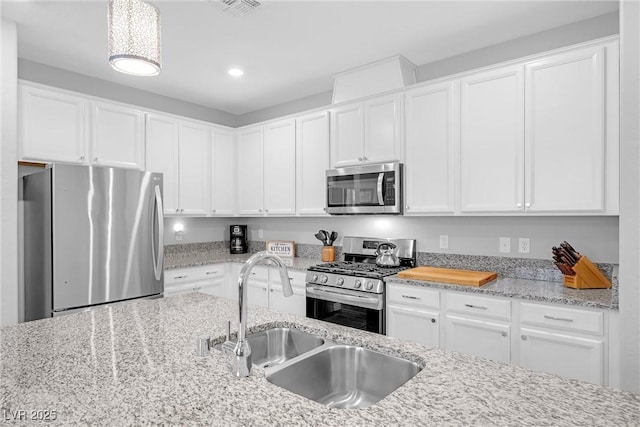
[[370, 189], [355, 309]]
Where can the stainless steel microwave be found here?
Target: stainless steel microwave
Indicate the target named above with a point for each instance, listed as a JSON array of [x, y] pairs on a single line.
[[366, 189]]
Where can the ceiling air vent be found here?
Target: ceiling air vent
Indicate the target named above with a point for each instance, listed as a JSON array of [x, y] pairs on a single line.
[[238, 7]]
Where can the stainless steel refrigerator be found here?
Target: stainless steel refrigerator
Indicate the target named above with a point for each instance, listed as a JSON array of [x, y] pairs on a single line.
[[92, 236]]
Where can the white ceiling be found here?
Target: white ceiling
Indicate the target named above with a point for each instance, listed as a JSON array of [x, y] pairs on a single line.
[[288, 49]]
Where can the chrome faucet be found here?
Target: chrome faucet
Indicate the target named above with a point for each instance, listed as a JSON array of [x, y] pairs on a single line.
[[242, 352]]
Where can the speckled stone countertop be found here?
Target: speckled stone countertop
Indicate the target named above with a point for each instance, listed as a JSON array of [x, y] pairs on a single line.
[[534, 290], [135, 364]]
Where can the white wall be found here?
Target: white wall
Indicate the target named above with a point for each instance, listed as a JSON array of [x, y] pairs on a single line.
[[596, 237], [630, 195], [8, 176]]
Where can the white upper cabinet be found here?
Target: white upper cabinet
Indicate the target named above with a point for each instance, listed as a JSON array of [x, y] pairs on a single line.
[[565, 132], [312, 162], [249, 169], [162, 136], [431, 119], [492, 141], [367, 132], [52, 126], [180, 150], [223, 178], [194, 165], [117, 136], [280, 167]]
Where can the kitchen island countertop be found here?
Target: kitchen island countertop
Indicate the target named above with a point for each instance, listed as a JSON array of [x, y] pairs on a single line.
[[135, 364]]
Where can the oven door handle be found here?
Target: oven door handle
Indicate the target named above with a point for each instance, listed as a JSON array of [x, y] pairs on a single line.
[[380, 183], [360, 301]]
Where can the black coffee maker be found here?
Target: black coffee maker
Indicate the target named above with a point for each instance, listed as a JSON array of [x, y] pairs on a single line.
[[238, 242]]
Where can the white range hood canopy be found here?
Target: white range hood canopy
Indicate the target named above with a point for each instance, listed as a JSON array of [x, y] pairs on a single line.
[[378, 77]]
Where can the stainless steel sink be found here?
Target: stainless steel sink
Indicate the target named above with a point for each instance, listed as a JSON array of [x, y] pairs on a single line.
[[277, 345], [344, 376]]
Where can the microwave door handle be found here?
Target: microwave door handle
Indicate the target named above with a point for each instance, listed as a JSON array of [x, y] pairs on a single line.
[[380, 182]]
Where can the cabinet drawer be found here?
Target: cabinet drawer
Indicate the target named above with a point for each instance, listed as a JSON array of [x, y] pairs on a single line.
[[413, 295], [193, 274], [590, 322], [478, 306]]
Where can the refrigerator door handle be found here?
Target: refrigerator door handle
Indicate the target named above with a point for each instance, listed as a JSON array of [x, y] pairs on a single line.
[[158, 257]]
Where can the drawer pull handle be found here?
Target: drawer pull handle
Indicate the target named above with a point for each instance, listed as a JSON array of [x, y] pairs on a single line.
[[563, 319], [433, 320], [411, 297], [475, 306], [504, 334], [211, 272], [180, 277]]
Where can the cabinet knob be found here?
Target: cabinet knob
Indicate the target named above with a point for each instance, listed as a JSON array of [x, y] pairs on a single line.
[[364, 159], [177, 210], [259, 210], [81, 157], [266, 210], [95, 159], [407, 207], [433, 320], [213, 211], [504, 334], [519, 205], [528, 205], [523, 337], [359, 159], [181, 210]]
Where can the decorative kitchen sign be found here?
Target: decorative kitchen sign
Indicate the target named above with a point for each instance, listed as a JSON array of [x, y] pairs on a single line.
[[283, 248]]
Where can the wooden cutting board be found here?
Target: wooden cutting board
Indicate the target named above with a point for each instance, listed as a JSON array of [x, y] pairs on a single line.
[[449, 275]]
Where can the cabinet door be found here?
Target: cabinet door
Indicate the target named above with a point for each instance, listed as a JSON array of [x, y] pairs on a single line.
[[223, 178], [52, 126], [347, 135], [193, 169], [117, 136], [250, 171], [492, 141], [280, 168], [431, 120], [413, 324], [162, 134], [312, 162], [382, 129], [562, 354], [211, 287], [565, 135], [478, 337], [257, 294]]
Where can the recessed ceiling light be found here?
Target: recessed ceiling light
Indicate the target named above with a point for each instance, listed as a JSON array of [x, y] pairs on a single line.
[[236, 72]]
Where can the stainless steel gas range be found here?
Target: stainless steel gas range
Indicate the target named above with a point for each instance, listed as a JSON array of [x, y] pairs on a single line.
[[352, 292]]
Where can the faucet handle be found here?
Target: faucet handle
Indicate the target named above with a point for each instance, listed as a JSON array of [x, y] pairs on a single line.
[[203, 345]]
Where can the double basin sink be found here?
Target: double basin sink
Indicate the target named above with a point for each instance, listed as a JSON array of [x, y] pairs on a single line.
[[330, 373]]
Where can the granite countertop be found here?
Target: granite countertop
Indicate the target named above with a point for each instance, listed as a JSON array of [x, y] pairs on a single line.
[[533, 290], [135, 364]]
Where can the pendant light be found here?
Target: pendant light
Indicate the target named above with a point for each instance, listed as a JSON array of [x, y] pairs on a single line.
[[134, 37]]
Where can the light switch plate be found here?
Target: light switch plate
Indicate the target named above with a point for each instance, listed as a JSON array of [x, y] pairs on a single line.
[[444, 241]]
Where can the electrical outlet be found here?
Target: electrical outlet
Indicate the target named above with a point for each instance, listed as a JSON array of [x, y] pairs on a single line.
[[523, 245], [444, 241], [260, 233], [505, 245]]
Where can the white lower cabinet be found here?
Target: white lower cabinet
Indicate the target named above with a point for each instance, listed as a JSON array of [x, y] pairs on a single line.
[[567, 341], [478, 337], [563, 341], [264, 286], [207, 279], [413, 314]]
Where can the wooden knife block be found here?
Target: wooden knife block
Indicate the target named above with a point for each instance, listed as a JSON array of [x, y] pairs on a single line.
[[588, 276]]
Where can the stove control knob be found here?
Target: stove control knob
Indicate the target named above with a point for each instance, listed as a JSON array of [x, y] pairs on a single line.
[[323, 279], [340, 281], [369, 285], [314, 278], [357, 284]]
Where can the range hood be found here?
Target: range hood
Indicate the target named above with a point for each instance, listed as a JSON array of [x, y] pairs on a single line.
[[381, 76]]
